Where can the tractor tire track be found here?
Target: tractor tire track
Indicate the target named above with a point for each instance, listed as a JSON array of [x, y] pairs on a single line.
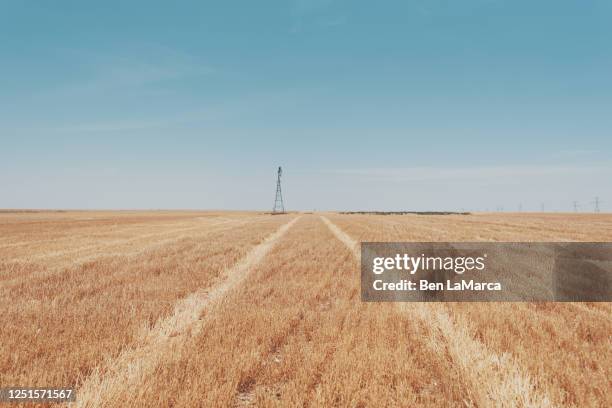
[[492, 380], [109, 381]]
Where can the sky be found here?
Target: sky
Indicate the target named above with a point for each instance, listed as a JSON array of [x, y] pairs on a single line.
[[393, 105]]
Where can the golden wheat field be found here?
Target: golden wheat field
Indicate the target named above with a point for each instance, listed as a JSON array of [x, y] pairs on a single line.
[[179, 308]]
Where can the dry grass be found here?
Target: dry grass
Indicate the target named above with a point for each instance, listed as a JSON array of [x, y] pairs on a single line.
[[135, 364], [62, 318], [191, 308], [298, 335], [564, 348]]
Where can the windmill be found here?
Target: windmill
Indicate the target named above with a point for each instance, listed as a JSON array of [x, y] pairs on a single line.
[[279, 207]]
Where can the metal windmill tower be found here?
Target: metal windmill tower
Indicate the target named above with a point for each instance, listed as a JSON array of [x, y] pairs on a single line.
[[279, 207]]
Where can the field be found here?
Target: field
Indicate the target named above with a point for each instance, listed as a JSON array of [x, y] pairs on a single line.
[[248, 309]]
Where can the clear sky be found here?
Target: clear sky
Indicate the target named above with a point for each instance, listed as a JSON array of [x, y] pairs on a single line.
[[389, 105]]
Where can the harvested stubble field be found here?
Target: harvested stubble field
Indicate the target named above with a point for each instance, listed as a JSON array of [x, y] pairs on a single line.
[[239, 309]]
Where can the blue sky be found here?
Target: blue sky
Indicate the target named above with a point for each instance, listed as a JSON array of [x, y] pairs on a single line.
[[422, 105]]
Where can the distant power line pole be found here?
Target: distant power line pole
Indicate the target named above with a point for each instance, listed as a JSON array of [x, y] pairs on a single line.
[[279, 206], [520, 208], [542, 206], [596, 204], [575, 206]]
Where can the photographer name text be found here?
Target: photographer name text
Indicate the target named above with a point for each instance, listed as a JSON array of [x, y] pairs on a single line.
[[415, 264]]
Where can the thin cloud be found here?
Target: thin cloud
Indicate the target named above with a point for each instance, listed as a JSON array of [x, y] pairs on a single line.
[[313, 13], [135, 124], [308, 7], [474, 173], [104, 72], [333, 21], [577, 153]]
